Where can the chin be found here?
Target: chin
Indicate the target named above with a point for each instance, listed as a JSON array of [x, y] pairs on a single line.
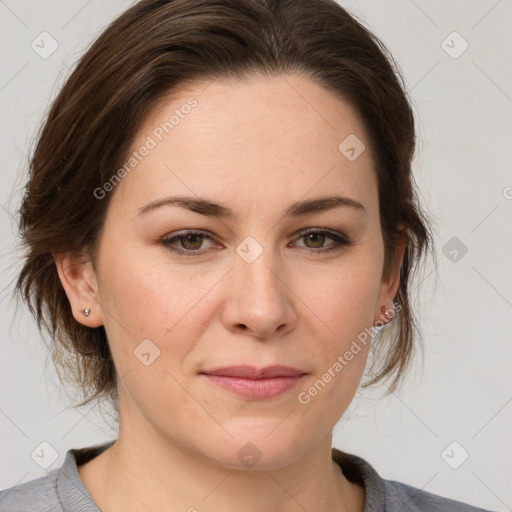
[[264, 448]]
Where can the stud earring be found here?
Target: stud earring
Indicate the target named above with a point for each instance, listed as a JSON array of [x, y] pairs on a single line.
[[86, 311], [384, 315], [386, 311]]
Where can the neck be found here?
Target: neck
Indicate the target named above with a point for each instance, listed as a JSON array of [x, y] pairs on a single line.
[[144, 471]]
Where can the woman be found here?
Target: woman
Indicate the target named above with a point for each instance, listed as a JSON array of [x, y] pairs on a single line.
[[220, 211]]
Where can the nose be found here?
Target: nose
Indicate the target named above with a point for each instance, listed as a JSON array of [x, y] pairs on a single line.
[[259, 298]]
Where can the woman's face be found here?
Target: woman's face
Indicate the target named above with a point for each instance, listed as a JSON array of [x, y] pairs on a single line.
[[251, 288]]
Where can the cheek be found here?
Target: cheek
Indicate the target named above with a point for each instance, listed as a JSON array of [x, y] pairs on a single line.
[[326, 395], [149, 294], [150, 300], [344, 297]]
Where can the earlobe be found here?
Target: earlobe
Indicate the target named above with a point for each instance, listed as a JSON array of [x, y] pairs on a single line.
[[79, 282], [390, 284]]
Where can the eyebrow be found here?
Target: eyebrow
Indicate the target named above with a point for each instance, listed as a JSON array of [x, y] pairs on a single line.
[[213, 209]]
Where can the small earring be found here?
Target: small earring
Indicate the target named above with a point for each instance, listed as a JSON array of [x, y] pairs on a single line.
[[384, 314], [391, 312], [86, 311]]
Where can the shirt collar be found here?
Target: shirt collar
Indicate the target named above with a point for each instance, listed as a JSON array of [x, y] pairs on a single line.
[[74, 496]]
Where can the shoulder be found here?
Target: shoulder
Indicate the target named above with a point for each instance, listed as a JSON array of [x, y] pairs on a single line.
[[38, 495], [390, 495], [61, 490], [402, 497]]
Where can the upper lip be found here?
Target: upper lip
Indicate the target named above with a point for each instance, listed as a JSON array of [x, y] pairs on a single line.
[[251, 372]]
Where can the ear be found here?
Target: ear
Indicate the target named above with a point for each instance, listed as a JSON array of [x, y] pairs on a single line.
[[79, 281], [390, 282]]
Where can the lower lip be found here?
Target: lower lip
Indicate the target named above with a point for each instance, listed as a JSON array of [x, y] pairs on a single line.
[[256, 388]]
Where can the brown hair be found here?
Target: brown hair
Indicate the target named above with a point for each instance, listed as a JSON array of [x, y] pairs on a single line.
[[152, 49]]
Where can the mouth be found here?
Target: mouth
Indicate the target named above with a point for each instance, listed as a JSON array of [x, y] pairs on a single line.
[[251, 382]]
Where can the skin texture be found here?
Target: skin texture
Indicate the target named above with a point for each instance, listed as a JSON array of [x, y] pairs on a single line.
[[256, 146]]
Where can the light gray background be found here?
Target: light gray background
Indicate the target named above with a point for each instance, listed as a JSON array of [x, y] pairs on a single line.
[[462, 166]]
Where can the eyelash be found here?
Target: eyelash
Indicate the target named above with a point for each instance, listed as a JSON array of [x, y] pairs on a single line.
[[340, 240]]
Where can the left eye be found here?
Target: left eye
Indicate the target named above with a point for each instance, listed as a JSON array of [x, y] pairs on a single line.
[[191, 242]]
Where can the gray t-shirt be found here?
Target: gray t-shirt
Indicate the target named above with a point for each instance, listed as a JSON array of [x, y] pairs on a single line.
[[62, 490]]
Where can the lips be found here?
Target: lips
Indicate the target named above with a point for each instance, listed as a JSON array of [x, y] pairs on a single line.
[[250, 372], [255, 383]]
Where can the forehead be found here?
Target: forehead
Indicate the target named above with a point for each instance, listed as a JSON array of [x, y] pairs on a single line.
[[254, 140]]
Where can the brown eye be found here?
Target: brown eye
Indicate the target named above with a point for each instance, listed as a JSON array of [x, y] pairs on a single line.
[[187, 243], [191, 242], [317, 240]]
